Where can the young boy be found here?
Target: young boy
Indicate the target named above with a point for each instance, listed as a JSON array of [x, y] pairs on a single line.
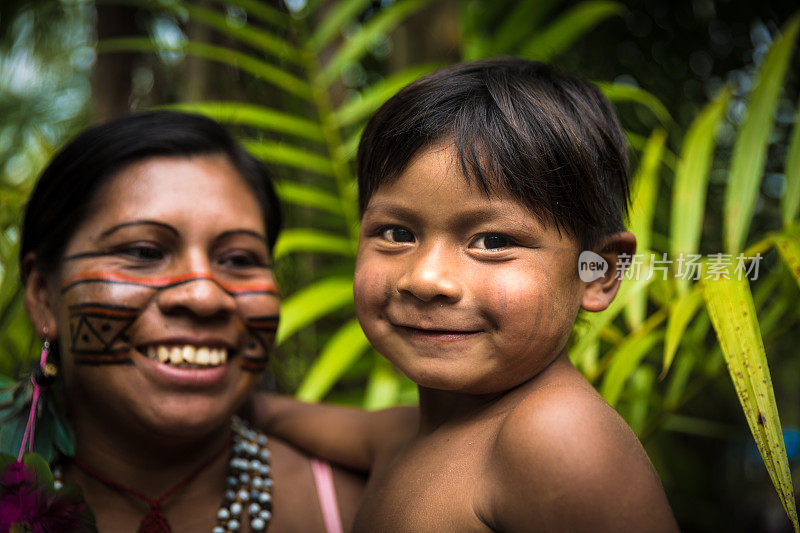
[[479, 186]]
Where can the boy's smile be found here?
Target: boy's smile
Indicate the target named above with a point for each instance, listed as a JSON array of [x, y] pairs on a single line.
[[462, 291]]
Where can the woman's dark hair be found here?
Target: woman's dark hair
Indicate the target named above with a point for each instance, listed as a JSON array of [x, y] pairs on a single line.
[[66, 188], [550, 140]]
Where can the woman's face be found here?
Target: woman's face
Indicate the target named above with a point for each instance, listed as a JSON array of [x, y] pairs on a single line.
[[165, 304]]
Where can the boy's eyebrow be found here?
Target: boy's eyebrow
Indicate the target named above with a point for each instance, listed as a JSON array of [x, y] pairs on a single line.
[[464, 218], [392, 209]]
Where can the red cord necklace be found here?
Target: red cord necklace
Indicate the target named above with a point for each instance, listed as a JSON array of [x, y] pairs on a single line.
[[154, 521]]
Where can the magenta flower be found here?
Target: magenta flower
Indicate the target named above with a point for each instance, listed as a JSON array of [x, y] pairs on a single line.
[[38, 508]]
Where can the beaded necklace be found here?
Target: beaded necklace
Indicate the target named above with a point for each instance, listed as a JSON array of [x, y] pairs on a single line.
[[248, 487]]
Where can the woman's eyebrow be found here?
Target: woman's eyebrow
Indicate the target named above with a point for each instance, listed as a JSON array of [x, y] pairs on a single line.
[[118, 227], [252, 233]]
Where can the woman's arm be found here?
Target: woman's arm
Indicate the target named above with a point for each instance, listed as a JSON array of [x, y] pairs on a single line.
[[346, 435]]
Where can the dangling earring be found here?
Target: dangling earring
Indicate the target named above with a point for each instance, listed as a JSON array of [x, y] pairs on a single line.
[[41, 378]]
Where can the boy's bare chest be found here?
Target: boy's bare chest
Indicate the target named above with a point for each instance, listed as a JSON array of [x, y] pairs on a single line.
[[434, 485]]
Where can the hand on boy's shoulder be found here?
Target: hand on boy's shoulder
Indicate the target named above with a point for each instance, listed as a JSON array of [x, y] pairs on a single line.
[[564, 460]]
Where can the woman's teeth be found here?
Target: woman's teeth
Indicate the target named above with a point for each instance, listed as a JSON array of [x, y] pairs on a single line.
[[188, 356]]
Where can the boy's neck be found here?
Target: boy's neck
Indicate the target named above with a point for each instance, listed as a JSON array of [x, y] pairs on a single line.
[[437, 407]]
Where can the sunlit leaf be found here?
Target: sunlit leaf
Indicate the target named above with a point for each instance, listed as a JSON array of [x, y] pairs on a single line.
[[383, 387], [643, 203], [624, 361], [681, 312], [295, 240], [789, 248], [790, 203], [750, 149], [255, 116], [356, 109], [357, 45], [339, 16], [340, 352], [597, 321], [691, 180], [270, 73], [291, 156], [350, 146], [312, 303], [730, 306], [568, 28], [307, 196], [622, 92], [641, 387]]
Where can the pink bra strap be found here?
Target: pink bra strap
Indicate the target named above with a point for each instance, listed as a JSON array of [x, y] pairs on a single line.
[[323, 479]]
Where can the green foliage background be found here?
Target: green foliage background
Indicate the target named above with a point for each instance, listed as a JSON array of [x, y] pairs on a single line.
[[301, 80]]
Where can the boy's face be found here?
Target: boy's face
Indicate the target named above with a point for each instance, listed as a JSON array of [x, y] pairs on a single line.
[[462, 292]]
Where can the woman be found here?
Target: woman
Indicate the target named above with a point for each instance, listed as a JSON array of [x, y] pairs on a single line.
[[145, 254]]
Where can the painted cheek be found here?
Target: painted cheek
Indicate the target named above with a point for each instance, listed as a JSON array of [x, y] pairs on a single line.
[[261, 315], [100, 316]]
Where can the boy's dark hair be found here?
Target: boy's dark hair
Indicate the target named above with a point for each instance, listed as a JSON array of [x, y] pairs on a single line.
[[62, 196], [550, 140]]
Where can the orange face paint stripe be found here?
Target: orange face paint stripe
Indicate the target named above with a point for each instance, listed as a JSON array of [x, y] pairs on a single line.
[[166, 281]]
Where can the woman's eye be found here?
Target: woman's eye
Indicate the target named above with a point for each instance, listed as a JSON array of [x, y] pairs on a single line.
[[397, 234], [240, 260], [142, 253], [493, 241]]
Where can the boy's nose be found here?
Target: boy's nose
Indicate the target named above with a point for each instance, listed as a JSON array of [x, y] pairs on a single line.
[[431, 274]]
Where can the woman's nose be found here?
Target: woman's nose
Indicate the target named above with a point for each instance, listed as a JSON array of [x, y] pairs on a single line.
[[430, 274], [196, 292]]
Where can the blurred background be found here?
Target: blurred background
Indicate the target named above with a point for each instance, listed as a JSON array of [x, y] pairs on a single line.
[[701, 86]]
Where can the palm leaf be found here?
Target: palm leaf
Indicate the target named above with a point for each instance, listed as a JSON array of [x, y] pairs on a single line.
[[383, 386], [307, 196], [255, 116], [568, 28], [358, 44], [790, 203], [312, 303], [295, 240], [290, 156], [260, 69], [681, 312], [519, 23], [750, 149], [624, 360], [359, 108], [340, 15], [338, 354], [622, 92], [645, 183], [789, 249], [261, 10], [691, 179], [257, 37], [733, 314]]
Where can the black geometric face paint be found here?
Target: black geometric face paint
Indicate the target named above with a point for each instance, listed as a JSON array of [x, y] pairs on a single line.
[[98, 327]]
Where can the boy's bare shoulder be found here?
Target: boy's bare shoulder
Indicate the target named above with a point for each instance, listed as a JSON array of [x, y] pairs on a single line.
[[563, 459]]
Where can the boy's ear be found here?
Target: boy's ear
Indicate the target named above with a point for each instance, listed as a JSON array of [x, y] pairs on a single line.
[[601, 292], [37, 299]]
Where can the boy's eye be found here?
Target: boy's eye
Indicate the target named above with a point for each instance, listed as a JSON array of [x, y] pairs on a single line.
[[492, 241], [142, 252], [397, 234]]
